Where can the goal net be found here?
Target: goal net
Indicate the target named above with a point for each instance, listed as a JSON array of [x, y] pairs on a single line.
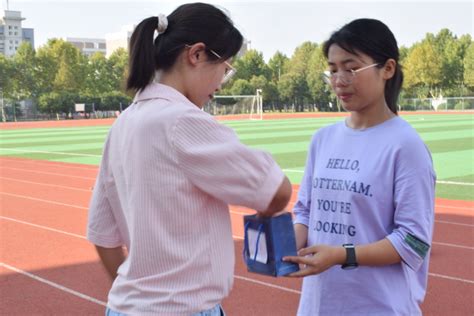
[[242, 106]]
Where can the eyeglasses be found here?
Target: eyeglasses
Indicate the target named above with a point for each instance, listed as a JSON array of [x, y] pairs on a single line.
[[229, 72], [345, 77]]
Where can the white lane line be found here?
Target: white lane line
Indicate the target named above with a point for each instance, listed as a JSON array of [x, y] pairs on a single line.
[[452, 245], [267, 284], [436, 275], [77, 206], [235, 237], [293, 170], [53, 284], [45, 201], [45, 184], [50, 173], [62, 231], [50, 152], [454, 207], [454, 223], [455, 182], [231, 211], [43, 227], [48, 163]]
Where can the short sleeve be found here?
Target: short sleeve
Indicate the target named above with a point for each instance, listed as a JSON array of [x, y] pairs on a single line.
[[215, 161], [302, 206], [102, 228], [414, 196]]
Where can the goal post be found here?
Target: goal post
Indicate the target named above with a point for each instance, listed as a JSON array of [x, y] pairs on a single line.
[[245, 107]]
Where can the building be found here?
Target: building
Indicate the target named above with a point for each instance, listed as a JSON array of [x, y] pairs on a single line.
[[12, 34], [119, 39], [88, 46]]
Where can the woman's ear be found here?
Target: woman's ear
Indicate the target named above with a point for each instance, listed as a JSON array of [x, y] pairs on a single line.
[[195, 53], [389, 69]]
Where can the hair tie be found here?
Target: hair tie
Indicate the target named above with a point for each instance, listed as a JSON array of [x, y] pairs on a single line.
[[162, 23]]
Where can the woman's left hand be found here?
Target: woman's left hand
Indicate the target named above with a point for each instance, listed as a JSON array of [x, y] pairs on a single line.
[[316, 259]]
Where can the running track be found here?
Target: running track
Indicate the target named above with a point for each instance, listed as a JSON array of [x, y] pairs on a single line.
[[47, 266]]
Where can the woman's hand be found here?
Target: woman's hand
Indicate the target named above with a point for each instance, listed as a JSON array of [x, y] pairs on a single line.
[[316, 259]]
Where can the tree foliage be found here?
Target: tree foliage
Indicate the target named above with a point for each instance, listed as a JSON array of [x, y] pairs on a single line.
[[57, 75]]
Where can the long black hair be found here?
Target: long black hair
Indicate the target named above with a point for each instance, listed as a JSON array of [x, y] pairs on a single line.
[[188, 24], [373, 38]]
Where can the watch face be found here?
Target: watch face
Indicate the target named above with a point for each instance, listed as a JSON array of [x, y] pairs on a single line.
[[349, 266]]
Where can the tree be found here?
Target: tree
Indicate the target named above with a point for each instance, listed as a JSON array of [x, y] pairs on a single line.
[[242, 87], [114, 101], [251, 64], [119, 63], [293, 90], [293, 86], [100, 78], [25, 86], [6, 76], [423, 69], [72, 70], [278, 66], [319, 90], [450, 51], [469, 68]]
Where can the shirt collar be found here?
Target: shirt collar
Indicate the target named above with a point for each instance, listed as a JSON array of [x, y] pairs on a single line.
[[160, 91]]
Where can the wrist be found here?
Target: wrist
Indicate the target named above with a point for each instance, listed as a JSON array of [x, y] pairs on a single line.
[[350, 261], [339, 255]]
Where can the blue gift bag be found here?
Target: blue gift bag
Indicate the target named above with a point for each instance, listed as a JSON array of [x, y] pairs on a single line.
[[267, 240]]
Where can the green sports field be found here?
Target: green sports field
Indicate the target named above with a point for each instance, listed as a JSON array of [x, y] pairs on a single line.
[[450, 138]]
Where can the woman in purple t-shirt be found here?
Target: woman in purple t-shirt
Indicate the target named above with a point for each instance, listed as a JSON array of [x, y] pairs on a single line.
[[366, 201]]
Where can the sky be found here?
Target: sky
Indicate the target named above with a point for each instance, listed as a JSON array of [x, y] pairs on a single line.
[[271, 26]]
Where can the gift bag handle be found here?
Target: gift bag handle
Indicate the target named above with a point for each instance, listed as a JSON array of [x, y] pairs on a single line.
[[246, 247]]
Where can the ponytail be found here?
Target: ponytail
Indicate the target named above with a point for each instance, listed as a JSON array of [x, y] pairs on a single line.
[[142, 55], [189, 24], [392, 89]]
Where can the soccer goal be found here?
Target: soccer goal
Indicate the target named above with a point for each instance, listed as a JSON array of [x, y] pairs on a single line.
[[241, 106]]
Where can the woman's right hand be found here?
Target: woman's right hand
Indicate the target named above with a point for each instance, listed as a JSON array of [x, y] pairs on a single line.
[[316, 259]]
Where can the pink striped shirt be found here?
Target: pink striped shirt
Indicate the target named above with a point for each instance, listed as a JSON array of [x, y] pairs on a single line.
[[168, 173]]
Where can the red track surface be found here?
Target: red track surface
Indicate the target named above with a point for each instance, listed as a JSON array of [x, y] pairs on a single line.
[[271, 116], [49, 268]]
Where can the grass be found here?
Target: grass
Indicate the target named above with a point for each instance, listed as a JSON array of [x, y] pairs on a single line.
[[449, 137]]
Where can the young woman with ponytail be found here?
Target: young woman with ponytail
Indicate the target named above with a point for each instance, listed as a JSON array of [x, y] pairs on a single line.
[[366, 201], [159, 214]]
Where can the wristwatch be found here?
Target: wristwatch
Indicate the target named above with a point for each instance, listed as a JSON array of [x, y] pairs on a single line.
[[351, 262]]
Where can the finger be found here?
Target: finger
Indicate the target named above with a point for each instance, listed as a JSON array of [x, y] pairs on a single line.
[[308, 251], [295, 259], [302, 273]]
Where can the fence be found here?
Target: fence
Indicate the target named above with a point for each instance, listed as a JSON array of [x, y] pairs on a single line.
[[27, 111], [437, 104]]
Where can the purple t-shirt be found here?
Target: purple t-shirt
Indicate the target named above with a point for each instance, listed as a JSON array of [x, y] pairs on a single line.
[[361, 186]]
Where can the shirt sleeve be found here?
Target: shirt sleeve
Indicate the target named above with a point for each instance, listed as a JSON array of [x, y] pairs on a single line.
[[303, 203], [102, 228], [215, 161], [414, 205]]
